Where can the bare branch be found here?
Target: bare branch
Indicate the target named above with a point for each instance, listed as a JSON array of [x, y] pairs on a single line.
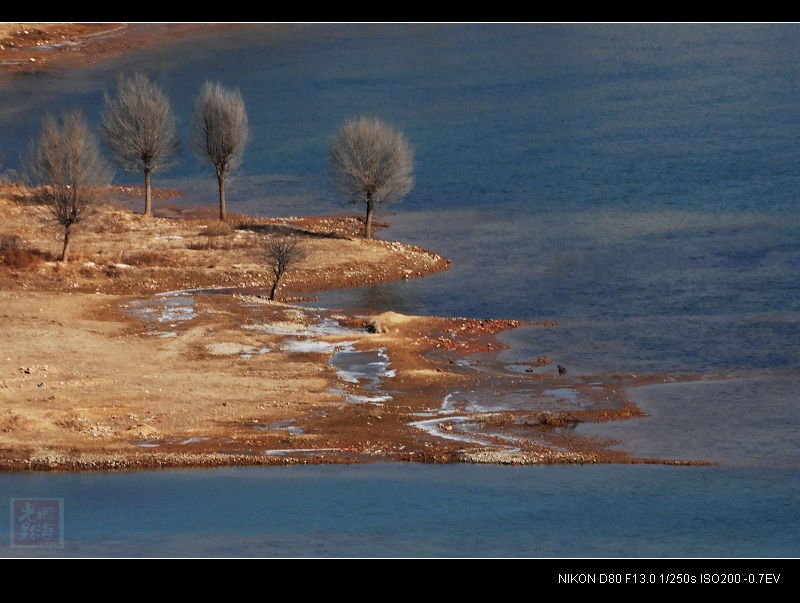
[[370, 162], [68, 170], [140, 128], [283, 252], [220, 132]]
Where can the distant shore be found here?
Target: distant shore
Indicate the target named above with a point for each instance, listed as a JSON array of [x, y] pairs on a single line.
[[35, 47]]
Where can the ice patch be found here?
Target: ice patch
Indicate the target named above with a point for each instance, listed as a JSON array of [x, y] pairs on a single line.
[[435, 427], [329, 326], [362, 399], [282, 425], [314, 345], [193, 441], [369, 369], [360, 366], [304, 451], [263, 350], [163, 308]]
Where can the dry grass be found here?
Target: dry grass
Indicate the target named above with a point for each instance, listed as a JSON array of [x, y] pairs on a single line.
[[18, 255], [148, 258], [215, 228], [119, 251], [20, 259], [110, 225]]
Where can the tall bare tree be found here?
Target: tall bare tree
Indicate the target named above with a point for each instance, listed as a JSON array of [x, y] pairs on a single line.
[[139, 127], [68, 170], [283, 251], [220, 132], [371, 162]]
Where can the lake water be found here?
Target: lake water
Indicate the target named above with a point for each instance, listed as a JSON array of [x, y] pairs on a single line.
[[636, 183]]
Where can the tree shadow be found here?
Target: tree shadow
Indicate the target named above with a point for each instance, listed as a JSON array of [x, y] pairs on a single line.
[[286, 230]]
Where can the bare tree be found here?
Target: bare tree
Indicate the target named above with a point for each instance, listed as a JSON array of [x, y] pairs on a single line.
[[220, 132], [68, 171], [372, 163], [139, 127], [282, 252]]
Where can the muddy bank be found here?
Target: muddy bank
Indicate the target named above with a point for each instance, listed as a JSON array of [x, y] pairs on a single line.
[[194, 379]]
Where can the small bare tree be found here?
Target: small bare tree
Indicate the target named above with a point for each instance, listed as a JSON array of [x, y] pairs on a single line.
[[220, 132], [282, 252], [139, 127], [372, 163], [68, 171]]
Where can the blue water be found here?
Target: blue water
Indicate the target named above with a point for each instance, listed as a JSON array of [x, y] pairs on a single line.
[[422, 511], [635, 183]]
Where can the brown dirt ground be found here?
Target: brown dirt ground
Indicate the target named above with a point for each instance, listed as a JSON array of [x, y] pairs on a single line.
[[86, 383], [32, 47]]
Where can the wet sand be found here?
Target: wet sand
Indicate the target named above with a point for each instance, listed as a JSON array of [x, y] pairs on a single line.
[[199, 379]]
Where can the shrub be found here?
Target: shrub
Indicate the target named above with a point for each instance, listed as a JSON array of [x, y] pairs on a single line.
[[110, 224], [15, 254], [147, 258], [13, 241], [216, 228]]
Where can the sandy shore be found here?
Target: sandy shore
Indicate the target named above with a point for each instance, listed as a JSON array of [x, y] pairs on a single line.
[[98, 381], [155, 345]]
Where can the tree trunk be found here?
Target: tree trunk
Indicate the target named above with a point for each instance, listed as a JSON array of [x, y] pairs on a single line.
[[278, 275], [368, 225], [221, 180], [65, 250], [148, 198]]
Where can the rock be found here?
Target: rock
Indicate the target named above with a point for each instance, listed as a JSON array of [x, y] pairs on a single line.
[[376, 326], [143, 431]]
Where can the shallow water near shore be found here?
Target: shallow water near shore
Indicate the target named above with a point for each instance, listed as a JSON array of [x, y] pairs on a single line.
[[636, 184]]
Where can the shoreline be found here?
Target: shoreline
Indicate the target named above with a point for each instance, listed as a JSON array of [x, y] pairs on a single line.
[[95, 375], [27, 48], [108, 368]]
